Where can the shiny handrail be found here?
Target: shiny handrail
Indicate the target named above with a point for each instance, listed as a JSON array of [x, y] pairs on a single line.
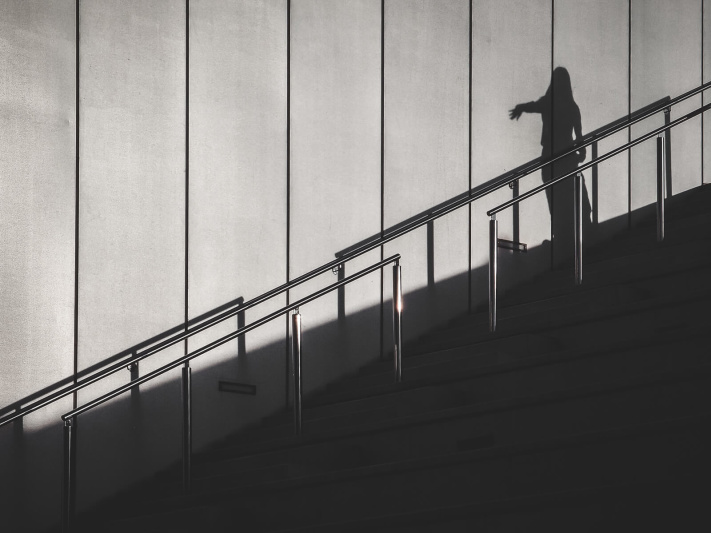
[[70, 420], [608, 155], [210, 320], [662, 163], [598, 136], [213, 317], [505, 181], [231, 336]]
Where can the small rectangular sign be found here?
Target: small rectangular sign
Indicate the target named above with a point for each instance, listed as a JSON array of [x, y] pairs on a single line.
[[237, 388]]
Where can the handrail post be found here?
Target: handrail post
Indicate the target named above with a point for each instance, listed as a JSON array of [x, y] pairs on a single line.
[[667, 153], [493, 267], [397, 321], [578, 213], [69, 478], [296, 368], [516, 214], [661, 188], [595, 174], [187, 429]]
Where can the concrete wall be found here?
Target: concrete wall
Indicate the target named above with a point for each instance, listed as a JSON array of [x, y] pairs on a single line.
[[591, 41], [503, 76], [426, 150], [665, 61], [335, 176], [131, 225], [222, 154], [706, 97], [237, 198], [37, 197]]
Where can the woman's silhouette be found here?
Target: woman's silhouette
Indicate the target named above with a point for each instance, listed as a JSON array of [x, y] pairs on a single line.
[[561, 127]]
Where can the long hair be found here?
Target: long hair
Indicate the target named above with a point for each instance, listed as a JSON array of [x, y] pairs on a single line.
[[560, 89]]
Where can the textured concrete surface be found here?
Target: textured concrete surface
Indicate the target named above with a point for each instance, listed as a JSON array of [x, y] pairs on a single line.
[[706, 120], [426, 147], [131, 224], [37, 128], [591, 41], [335, 174], [237, 197], [502, 77], [37, 189], [132, 184], [665, 57]]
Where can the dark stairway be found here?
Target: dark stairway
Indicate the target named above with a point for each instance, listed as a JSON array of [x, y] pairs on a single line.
[[589, 410]]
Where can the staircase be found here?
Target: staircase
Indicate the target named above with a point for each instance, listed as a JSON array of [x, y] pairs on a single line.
[[588, 410]]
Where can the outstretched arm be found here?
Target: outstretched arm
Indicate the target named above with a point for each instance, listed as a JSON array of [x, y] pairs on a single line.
[[529, 107]]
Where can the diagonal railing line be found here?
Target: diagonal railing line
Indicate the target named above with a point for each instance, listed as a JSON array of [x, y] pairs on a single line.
[[230, 336], [173, 340], [663, 166], [234, 307], [598, 160], [480, 192]]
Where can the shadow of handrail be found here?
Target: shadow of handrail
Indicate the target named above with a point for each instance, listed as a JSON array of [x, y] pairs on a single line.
[[409, 224]]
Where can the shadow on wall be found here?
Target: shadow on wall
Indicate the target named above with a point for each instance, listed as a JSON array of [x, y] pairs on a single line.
[[566, 121], [128, 440], [562, 126], [133, 437]]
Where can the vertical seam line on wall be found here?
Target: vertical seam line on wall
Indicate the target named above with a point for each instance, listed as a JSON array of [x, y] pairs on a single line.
[[629, 112], [382, 166], [187, 164], [288, 184], [469, 159], [76, 201], [552, 166], [702, 92]]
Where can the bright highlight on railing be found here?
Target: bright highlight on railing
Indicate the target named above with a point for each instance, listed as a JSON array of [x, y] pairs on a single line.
[[236, 307], [70, 418]]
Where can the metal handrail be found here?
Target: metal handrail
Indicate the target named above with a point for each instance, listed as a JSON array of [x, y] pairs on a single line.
[[231, 336], [608, 155], [69, 482], [217, 315], [211, 318], [506, 181], [662, 166], [598, 136]]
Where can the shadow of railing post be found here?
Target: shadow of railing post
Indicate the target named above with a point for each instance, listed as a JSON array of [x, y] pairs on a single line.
[[241, 341], [667, 152], [430, 256], [595, 191]]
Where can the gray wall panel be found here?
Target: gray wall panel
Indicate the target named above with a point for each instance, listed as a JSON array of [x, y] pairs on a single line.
[[707, 94], [511, 64], [665, 61], [426, 150], [37, 197], [591, 41], [134, 268], [237, 218], [335, 174], [37, 94], [132, 226]]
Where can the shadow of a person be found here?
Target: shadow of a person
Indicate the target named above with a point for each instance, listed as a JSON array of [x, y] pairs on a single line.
[[561, 127]]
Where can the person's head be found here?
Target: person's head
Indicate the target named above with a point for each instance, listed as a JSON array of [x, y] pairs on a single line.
[[561, 86]]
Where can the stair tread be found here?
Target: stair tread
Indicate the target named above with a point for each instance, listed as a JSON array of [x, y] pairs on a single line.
[[607, 351]]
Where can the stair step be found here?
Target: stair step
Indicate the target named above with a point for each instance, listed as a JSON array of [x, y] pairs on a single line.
[[667, 505], [588, 410], [631, 266], [642, 453], [593, 407]]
